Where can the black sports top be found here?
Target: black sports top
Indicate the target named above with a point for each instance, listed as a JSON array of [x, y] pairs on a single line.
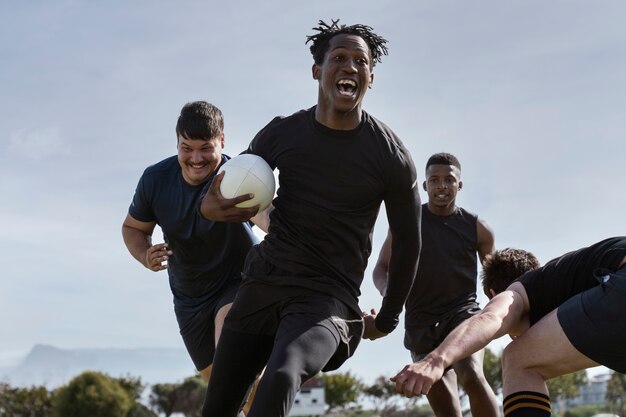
[[446, 276], [206, 254], [332, 184], [549, 286]]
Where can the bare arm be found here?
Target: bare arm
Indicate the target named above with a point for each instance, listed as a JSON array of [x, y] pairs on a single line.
[[262, 219], [505, 313], [381, 269], [486, 239], [404, 229], [138, 239]]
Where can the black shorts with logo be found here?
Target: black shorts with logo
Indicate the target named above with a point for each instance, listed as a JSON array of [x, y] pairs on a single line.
[[594, 323]]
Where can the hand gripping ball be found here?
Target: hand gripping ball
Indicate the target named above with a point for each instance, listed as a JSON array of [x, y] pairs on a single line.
[[247, 173]]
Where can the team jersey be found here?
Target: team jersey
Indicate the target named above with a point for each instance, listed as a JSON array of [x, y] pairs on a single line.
[[206, 254], [332, 184], [551, 285], [445, 283]]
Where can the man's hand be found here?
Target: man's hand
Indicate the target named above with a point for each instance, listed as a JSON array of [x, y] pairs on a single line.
[[417, 378], [156, 256], [217, 208], [370, 331]]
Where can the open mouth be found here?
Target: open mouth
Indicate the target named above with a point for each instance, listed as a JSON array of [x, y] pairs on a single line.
[[347, 87]]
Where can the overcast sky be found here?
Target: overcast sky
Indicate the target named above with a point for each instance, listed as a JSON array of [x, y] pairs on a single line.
[[530, 95]]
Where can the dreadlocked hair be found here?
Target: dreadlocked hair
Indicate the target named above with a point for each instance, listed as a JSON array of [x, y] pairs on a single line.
[[326, 32]]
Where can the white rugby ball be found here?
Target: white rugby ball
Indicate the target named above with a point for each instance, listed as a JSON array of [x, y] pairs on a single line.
[[247, 173]]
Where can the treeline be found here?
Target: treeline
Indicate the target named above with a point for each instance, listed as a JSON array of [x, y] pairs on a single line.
[[95, 394]]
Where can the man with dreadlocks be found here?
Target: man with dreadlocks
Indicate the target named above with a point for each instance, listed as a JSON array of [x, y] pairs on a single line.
[[297, 310]]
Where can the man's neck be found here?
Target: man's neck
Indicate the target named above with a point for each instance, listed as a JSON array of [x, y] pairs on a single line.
[[442, 211], [338, 120]]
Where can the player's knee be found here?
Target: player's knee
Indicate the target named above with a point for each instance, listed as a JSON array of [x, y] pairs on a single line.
[[513, 359], [282, 379]]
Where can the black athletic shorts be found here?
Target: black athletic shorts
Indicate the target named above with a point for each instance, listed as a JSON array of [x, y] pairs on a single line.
[[197, 325], [423, 340], [260, 307], [594, 323]]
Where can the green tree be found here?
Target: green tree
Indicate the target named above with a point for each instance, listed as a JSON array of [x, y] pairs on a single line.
[[92, 394], [190, 396], [186, 397], [140, 410], [162, 398], [384, 396], [492, 367], [31, 402], [616, 393], [566, 386], [134, 387], [341, 389]]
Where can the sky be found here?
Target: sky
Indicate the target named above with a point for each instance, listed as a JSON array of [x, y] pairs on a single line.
[[530, 95]]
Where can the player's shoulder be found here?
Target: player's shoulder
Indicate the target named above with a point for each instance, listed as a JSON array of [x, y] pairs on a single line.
[[463, 212], [381, 128], [165, 166], [299, 117], [281, 126]]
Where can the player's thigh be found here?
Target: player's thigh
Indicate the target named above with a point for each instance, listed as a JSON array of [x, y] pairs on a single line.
[[543, 349], [206, 373], [305, 345], [219, 320]]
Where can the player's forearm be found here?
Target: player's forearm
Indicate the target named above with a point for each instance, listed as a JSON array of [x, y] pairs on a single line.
[[469, 337], [402, 270], [406, 241], [379, 277], [262, 219], [137, 243]]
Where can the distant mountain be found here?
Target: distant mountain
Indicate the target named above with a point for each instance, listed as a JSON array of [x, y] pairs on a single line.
[[51, 367]]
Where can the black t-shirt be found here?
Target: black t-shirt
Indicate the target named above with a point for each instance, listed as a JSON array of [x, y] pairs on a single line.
[[551, 285], [446, 276], [332, 184], [206, 254]]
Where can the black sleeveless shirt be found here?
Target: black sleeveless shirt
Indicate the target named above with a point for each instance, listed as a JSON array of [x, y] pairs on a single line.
[[446, 276]]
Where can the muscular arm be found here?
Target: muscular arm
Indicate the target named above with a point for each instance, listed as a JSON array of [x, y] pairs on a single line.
[[380, 274], [262, 219], [138, 239], [506, 313], [404, 228], [486, 239]]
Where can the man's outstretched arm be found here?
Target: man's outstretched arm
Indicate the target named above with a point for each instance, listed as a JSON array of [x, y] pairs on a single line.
[[505, 313]]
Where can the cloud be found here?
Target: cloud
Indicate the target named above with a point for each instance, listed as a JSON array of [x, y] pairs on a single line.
[[38, 144]]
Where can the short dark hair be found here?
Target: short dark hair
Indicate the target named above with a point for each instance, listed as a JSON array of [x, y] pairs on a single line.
[[443, 158], [504, 266], [320, 41], [200, 120]]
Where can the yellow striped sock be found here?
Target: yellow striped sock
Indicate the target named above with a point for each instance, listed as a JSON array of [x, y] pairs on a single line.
[[527, 404]]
